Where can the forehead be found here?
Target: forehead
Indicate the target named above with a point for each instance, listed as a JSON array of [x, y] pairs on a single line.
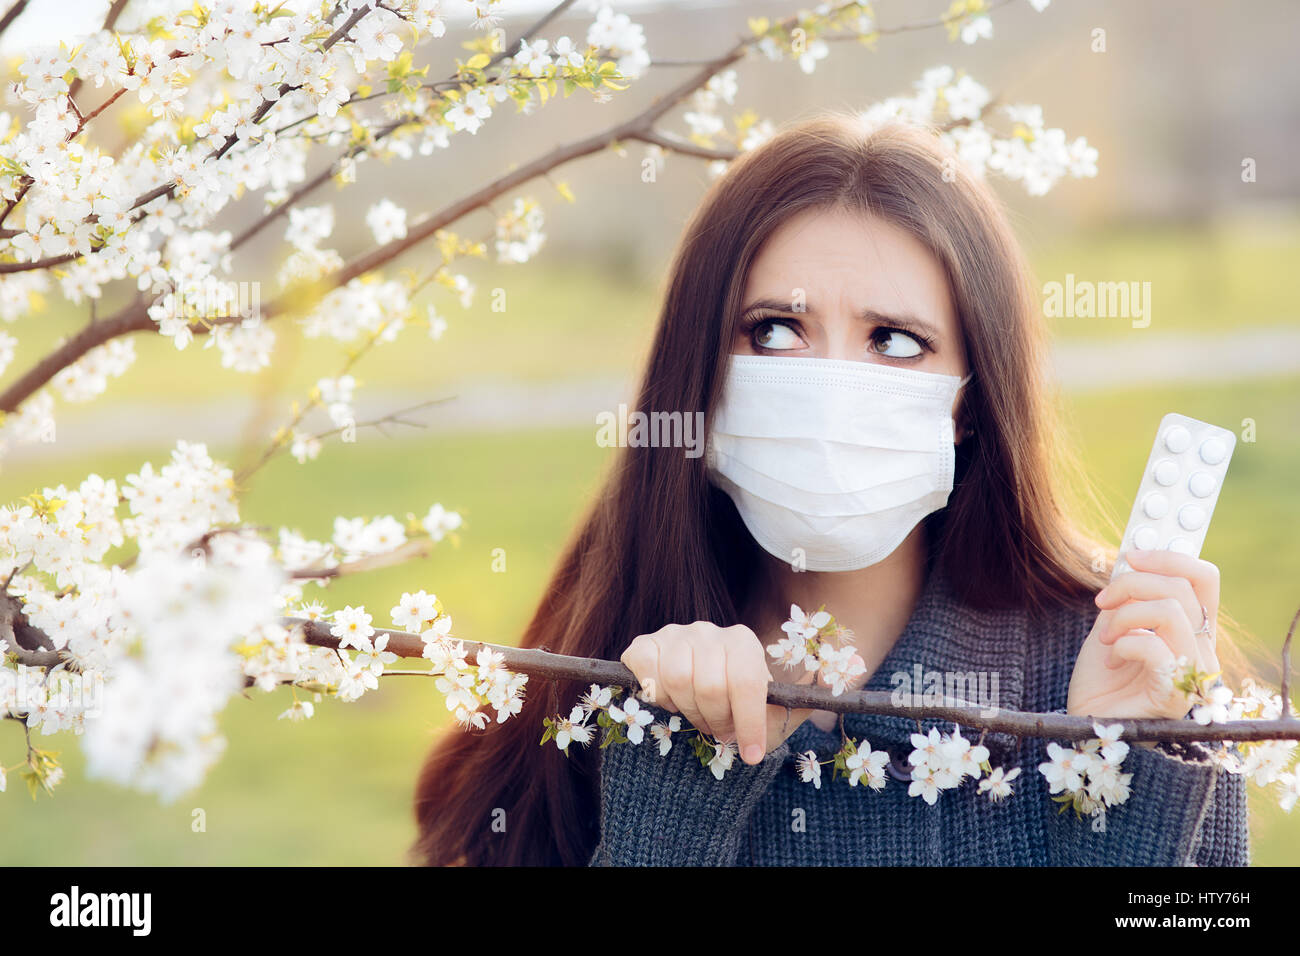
[[847, 258]]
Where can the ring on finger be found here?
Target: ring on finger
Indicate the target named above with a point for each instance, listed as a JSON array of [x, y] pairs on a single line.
[[1205, 624]]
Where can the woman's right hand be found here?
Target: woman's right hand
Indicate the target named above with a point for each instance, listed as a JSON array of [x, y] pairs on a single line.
[[717, 677]]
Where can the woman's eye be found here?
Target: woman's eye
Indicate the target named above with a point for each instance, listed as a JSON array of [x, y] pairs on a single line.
[[895, 344], [776, 335]]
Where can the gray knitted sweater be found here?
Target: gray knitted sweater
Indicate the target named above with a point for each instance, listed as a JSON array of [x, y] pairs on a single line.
[[668, 810]]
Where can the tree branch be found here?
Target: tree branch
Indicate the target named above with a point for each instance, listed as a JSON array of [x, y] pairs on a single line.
[[548, 666], [11, 15], [30, 645], [686, 147]]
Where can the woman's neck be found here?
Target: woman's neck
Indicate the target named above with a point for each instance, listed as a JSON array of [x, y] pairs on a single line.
[[875, 603]]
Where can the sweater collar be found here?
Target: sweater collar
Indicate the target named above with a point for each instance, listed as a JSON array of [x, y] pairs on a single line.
[[942, 645]]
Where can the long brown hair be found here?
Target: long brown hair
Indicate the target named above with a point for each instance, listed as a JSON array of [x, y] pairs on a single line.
[[660, 545]]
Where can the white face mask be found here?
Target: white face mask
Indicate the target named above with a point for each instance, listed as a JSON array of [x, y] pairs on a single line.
[[832, 463]]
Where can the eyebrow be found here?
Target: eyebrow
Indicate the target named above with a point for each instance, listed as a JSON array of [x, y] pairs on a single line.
[[905, 321]]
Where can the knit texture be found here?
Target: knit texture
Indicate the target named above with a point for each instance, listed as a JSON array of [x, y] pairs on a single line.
[[668, 810]]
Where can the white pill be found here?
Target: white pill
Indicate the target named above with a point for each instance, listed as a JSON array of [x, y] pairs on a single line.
[[1155, 505], [1166, 471], [1145, 538], [1202, 484], [1181, 545], [1191, 517], [1212, 451], [1178, 439]]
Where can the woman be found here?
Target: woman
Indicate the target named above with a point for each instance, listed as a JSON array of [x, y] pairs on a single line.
[[874, 261]]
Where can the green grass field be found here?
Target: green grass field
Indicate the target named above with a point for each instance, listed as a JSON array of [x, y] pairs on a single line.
[[337, 789]]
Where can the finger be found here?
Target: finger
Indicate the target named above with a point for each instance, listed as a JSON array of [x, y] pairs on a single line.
[[653, 684], [1144, 648], [1164, 616], [747, 680], [642, 658], [676, 676], [1148, 586], [709, 683], [1203, 575], [1157, 663]]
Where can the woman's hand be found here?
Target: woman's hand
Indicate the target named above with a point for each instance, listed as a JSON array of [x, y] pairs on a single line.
[[717, 677], [1121, 668]]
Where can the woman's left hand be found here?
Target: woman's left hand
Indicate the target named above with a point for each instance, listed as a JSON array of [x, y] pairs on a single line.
[[1121, 671]]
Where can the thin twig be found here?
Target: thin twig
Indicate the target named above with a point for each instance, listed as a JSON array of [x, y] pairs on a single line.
[[1286, 666], [270, 451], [532, 31], [414, 548]]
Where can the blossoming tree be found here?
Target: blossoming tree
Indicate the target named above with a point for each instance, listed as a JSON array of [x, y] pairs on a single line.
[[255, 106]]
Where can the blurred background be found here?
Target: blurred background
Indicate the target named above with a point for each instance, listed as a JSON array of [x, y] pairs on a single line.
[[1179, 99]]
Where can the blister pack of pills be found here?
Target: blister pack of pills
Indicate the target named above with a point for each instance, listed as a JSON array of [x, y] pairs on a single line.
[[1179, 488]]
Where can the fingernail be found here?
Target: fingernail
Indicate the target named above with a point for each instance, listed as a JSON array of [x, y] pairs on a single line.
[[753, 753], [1101, 596]]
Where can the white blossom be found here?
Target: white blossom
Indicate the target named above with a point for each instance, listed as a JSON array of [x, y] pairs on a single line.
[[816, 50], [976, 27], [387, 221], [664, 733], [868, 766], [724, 755], [631, 714], [352, 627], [810, 771], [574, 728], [998, 783]]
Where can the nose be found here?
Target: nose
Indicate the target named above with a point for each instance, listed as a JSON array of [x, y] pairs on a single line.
[[841, 342]]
